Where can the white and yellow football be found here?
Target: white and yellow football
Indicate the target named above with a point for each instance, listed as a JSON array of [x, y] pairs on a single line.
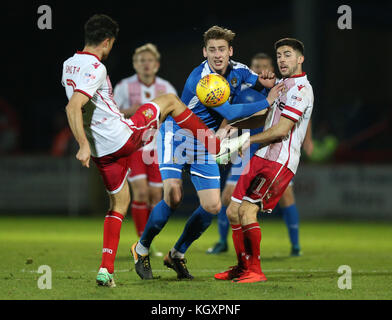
[[213, 90]]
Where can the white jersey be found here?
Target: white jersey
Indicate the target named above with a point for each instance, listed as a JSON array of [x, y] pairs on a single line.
[[105, 127], [131, 91], [296, 104]]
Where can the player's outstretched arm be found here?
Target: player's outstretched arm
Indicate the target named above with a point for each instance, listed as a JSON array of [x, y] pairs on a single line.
[[255, 121], [274, 134], [243, 110], [75, 121]]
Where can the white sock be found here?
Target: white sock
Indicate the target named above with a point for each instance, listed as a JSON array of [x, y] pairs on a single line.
[[140, 249], [176, 254]]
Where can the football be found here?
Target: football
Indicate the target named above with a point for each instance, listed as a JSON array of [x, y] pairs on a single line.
[[213, 90]]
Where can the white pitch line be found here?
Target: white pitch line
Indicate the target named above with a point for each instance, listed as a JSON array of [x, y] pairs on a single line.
[[216, 270]]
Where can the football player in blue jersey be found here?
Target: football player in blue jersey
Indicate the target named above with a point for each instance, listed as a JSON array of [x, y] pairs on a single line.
[[179, 151], [260, 62]]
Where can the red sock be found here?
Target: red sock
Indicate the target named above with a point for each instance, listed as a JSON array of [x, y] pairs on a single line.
[[252, 240], [238, 240], [140, 213], [111, 238], [189, 120]]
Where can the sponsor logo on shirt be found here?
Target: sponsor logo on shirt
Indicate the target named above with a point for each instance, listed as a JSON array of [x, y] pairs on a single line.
[[296, 98], [88, 77], [148, 113]]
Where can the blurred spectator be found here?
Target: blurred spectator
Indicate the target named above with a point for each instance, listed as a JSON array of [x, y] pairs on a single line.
[[9, 128], [63, 143]]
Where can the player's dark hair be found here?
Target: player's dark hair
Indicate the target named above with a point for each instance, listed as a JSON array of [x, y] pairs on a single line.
[[262, 55], [291, 42], [98, 28], [218, 33]]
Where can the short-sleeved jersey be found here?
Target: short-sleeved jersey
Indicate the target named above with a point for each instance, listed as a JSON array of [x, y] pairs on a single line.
[[236, 74], [105, 127], [249, 95], [296, 104], [131, 91]]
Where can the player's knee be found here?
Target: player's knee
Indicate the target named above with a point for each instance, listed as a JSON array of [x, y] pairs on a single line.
[[232, 213], [212, 207], [170, 100], [120, 203], [155, 198], [242, 213], [248, 213], [140, 195], [174, 196]]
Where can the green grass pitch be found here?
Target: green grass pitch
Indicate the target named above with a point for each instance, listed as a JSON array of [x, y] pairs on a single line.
[[72, 248]]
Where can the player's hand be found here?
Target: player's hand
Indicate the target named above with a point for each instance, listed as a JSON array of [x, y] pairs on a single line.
[[84, 155], [225, 132], [267, 79], [274, 93], [244, 147]]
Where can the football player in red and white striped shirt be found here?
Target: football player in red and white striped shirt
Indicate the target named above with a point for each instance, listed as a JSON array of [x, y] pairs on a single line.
[[129, 94], [105, 136], [273, 166]]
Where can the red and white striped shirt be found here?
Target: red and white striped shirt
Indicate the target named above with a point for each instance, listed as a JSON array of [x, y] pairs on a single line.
[[296, 104], [105, 127]]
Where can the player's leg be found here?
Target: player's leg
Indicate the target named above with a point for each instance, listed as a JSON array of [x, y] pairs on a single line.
[[291, 218], [172, 189], [195, 226], [246, 181], [237, 168], [155, 184], [139, 205], [223, 221], [264, 191], [238, 242], [252, 240], [170, 104], [155, 191], [114, 171], [206, 180], [199, 221]]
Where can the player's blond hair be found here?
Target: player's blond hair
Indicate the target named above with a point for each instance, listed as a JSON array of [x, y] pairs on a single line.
[[218, 33], [148, 47]]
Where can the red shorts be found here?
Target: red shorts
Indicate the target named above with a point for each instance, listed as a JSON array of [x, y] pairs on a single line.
[[264, 183], [114, 168], [144, 165]]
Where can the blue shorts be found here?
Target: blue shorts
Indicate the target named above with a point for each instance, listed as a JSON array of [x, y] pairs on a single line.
[[183, 153]]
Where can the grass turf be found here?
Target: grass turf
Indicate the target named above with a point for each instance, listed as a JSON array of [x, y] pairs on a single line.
[[72, 248]]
